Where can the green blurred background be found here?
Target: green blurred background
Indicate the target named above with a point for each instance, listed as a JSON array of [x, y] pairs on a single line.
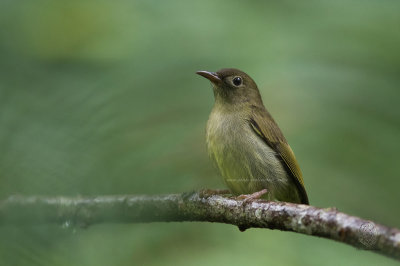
[[100, 97]]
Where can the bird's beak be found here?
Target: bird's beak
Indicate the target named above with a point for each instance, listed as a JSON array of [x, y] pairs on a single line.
[[212, 76]]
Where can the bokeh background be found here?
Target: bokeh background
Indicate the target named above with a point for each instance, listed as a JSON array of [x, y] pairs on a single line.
[[100, 97]]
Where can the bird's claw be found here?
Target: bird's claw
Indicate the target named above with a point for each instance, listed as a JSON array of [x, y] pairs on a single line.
[[211, 192], [251, 197]]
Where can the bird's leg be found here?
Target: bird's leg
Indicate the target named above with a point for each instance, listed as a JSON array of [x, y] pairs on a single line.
[[254, 196]]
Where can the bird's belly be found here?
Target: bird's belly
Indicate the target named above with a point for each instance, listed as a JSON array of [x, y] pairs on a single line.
[[246, 163]]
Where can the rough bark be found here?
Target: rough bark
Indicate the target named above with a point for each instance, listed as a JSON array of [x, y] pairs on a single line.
[[202, 206]]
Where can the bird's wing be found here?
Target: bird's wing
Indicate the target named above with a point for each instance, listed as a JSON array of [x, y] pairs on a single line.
[[264, 125]]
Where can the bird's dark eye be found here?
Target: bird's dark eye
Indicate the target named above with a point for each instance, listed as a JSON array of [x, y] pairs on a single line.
[[237, 81]]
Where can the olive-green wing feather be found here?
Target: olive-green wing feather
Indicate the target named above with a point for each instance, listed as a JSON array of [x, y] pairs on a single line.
[[264, 125]]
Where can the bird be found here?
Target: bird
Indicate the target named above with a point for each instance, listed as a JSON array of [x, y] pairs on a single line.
[[245, 143]]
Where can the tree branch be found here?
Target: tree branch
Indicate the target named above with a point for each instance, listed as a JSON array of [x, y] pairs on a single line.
[[202, 206]]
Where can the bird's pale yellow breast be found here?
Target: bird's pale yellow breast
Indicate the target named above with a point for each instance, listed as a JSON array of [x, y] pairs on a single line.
[[245, 162]]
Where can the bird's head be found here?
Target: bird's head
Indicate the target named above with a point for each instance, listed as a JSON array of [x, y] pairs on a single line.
[[232, 86]]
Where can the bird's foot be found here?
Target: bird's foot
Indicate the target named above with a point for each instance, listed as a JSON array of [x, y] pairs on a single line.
[[210, 192], [251, 197]]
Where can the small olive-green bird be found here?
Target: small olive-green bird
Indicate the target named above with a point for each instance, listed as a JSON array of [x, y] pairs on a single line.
[[246, 144]]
